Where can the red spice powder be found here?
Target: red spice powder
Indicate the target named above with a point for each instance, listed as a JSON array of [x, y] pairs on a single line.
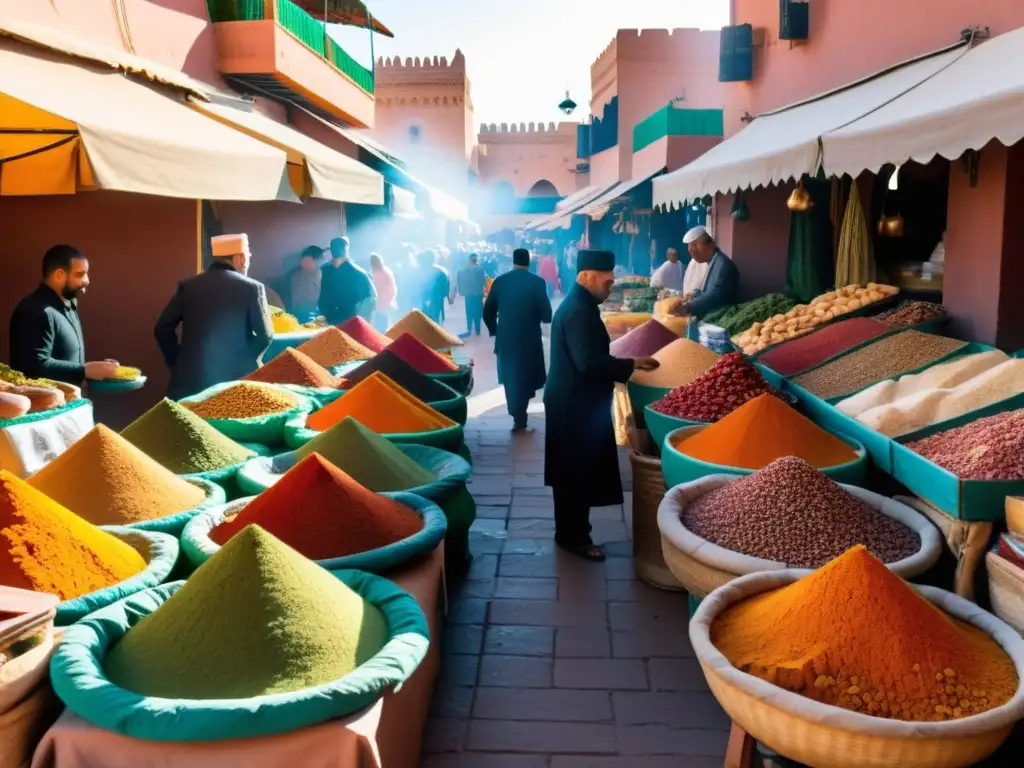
[[420, 356], [294, 367], [798, 355], [365, 334], [323, 513]]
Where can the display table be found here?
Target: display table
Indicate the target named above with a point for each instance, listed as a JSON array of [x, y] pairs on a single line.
[[968, 541], [404, 718], [348, 743], [28, 443]]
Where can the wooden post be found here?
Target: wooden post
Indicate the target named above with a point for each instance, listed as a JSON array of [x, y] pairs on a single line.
[[740, 751], [269, 10]]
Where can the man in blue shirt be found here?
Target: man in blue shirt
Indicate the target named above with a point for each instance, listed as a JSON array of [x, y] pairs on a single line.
[[345, 289], [470, 284]]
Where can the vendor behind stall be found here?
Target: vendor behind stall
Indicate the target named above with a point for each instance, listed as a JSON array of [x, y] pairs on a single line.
[[46, 332], [721, 285]]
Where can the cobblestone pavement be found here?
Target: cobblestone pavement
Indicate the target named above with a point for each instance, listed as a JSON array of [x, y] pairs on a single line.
[[550, 661]]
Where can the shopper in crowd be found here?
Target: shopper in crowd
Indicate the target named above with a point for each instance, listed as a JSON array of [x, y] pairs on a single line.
[[547, 269], [670, 274], [345, 289], [224, 321], [581, 461], [387, 291], [517, 304], [436, 285], [45, 330], [470, 283], [721, 284], [301, 287]]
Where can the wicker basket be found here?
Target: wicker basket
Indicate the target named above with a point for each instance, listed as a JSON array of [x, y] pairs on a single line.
[[22, 727], [648, 491], [825, 736], [1006, 590]]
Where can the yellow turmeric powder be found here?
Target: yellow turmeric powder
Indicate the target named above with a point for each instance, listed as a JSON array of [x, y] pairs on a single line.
[[46, 548], [379, 404], [854, 635]]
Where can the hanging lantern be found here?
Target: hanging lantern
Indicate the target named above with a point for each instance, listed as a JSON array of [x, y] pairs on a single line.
[[568, 106], [800, 199]]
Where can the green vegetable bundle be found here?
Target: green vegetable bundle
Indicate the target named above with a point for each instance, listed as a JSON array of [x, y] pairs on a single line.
[[739, 317]]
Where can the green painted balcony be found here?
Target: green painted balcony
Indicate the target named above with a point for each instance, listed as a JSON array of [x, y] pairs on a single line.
[[274, 48]]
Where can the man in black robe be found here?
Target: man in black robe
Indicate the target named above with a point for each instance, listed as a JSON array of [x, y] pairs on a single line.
[[581, 463]]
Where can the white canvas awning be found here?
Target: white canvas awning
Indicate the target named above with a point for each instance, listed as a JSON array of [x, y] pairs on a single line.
[[977, 98], [600, 206], [562, 218], [331, 175], [785, 144]]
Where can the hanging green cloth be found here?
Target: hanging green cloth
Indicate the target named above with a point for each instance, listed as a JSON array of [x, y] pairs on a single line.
[[809, 268], [854, 262]]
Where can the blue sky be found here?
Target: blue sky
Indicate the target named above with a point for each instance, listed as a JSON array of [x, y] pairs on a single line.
[[523, 54]]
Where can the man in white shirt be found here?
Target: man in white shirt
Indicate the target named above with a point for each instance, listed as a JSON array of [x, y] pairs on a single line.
[[670, 274]]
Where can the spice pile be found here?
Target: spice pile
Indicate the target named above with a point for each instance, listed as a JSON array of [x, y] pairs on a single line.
[[417, 384], [417, 324], [987, 449], [717, 392], [420, 356], [47, 548], [762, 430], [912, 313], [817, 347], [791, 513], [369, 459], [293, 367], [378, 403], [644, 340], [890, 356], [20, 395], [739, 317], [934, 406], [365, 334], [323, 513], [283, 322], [942, 376], [854, 635], [108, 481], [182, 442], [244, 401], [679, 363], [333, 347], [256, 618]]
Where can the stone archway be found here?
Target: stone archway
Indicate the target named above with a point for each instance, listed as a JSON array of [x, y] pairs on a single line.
[[543, 188]]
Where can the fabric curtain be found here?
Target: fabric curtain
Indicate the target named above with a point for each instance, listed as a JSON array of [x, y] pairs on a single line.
[[854, 262], [809, 268]]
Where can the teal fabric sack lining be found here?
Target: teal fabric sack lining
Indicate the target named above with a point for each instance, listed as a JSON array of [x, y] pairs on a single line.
[[160, 551], [460, 381], [76, 672], [455, 407], [30, 418], [267, 430], [173, 525], [199, 547], [450, 439]]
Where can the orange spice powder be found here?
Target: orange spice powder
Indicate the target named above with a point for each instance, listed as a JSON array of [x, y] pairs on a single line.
[[379, 404]]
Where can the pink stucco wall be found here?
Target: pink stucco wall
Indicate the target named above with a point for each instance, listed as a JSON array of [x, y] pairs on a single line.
[[522, 155]]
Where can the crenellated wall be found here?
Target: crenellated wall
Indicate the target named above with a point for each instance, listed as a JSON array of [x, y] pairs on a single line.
[[522, 154]]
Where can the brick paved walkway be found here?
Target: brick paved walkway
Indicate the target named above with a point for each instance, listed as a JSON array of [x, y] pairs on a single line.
[[550, 661]]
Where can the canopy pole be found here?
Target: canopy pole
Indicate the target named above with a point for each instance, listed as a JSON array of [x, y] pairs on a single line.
[[373, 59]]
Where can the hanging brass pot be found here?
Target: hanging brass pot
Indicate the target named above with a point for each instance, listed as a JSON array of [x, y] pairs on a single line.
[[890, 226], [800, 199]]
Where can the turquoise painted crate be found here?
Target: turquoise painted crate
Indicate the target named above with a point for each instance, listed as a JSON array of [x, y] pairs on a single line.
[[961, 499]]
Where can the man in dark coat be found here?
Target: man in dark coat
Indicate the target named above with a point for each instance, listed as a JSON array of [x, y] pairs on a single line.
[[345, 288], [46, 333], [224, 319], [516, 306], [581, 463]]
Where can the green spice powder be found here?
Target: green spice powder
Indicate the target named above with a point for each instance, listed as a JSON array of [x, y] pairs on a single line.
[[183, 442], [256, 618], [371, 460]]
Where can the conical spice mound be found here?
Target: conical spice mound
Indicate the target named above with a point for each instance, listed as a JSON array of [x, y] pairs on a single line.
[[424, 329], [323, 513], [333, 347], [256, 618], [380, 404], [420, 356], [855, 635], [364, 333]]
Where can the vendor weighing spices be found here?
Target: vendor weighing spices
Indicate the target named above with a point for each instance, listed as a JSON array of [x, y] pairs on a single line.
[[581, 462], [224, 319], [721, 282], [46, 332]]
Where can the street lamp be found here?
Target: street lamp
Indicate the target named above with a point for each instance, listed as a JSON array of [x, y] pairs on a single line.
[[568, 106]]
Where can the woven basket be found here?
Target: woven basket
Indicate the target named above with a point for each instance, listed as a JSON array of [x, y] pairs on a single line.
[[22, 727], [825, 736], [648, 491], [696, 578], [1006, 590]]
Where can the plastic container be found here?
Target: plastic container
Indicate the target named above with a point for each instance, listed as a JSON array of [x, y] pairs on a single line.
[[680, 468], [79, 679], [702, 566], [448, 490], [640, 396], [830, 737], [266, 430], [199, 547], [160, 550]]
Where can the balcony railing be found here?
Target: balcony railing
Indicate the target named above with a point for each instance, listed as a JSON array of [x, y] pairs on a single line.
[[303, 27]]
